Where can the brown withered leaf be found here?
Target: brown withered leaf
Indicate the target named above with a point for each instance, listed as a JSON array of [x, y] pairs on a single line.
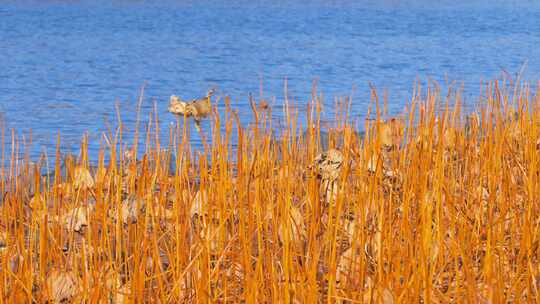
[[424, 137], [162, 212], [121, 294], [77, 218], [15, 262], [263, 105], [36, 202], [297, 233], [208, 223], [329, 191], [516, 176], [177, 106], [349, 228], [385, 135], [131, 210], [182, 197], [373, 162], [197, 108], [65, 189], [110, 280], [348, 267], [129, 155], [482, 193], [199, 201], [450, 138], [328, 164], [391, 132], [377, 295], [62, 286], [387, 297], [82, 178], [3, 239], [383, 160]]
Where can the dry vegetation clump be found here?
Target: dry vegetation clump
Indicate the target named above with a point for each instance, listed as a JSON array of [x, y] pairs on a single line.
[[437, 206], [197, 108]]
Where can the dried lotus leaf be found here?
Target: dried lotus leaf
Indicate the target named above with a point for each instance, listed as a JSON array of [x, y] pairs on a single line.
[[122, 294], [328, 164], [131, 209], [377, 296], [450, 138], [3, 239], [178, 107], [391, 132], [77, 218], [297, 228], [385, 134], [347, 268], [63, 286], [82, 178], [387, 297], [197, 206]]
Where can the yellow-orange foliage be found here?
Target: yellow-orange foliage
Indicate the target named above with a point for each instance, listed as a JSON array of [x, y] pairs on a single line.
[[438, 206]]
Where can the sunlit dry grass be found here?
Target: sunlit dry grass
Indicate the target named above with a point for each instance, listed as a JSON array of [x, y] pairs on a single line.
[[434, 206]]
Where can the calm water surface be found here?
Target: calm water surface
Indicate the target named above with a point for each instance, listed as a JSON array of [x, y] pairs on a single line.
[[64, 65]]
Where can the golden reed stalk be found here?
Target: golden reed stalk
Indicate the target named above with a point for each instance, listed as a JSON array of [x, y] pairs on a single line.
[[437, 205]]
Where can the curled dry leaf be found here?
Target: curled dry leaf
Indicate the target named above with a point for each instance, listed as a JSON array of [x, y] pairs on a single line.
[[62, 286], [65, 190], [328, 164], [182, 197], [197, 108], [349, 228], [472, 123], [373, 162], [162, 262], [450, 138], [177, 106], [235, 270], [482, 193], [387, 297], [516, 176], [77, 218], [424, 137], [121, 294], [377, 295], [162, 212], [36, 202], [391, 132], [15, 262], [295, 227], [82, 178], [200, 108], [209, 225], [514, 131], [385, 135], [131, 210], [129, 155], [330, 191], [3, 240], [116, 291], [348, 267], [382, 160], [263, 105], [199, 201]]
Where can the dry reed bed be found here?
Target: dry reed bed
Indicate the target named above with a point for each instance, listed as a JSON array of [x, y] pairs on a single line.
[[428, 208]]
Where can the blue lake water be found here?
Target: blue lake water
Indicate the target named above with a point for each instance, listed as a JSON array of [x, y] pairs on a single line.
[[65, 65]]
